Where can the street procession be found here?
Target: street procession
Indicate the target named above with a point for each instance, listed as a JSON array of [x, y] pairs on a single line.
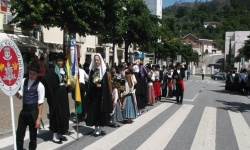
[[127, 74]]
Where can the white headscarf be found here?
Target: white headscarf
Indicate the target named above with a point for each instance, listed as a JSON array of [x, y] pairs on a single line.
[[136, 68], [102, 66]]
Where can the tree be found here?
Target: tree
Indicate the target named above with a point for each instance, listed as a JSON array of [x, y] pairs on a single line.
[[75, 16], [139, 26]]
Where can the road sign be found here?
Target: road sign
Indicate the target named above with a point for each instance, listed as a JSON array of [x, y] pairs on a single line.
[[11, 67], [242, 60], [11, 74], [179, 58]]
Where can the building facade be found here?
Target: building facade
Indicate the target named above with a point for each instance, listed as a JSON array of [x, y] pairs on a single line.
[[238, 39], [200, 45], [155, 7]]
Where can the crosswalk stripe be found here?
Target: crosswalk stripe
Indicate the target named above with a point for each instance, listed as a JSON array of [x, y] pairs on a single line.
[[164, 134], [9, 140], [123, 132], [241, 130], [51, 145], [205, 135]]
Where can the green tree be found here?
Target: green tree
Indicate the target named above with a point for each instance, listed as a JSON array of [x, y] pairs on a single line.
[[72, 15]]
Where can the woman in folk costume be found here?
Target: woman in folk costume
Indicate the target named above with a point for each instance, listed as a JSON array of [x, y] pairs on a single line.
[[156, 83], [116, 115], [129, 104], [141, 87], [151, 93], [56, 90], [99, 98]]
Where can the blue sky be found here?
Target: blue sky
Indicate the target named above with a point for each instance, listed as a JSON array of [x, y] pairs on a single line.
[[167, 3]]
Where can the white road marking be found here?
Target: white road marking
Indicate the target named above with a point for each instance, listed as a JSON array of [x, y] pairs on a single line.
[[8, 141], [161, 137], [115, 137], [241, 130], [205, 135]]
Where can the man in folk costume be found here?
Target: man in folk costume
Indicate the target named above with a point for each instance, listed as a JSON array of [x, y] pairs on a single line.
[[32, 92], [179, 75], [99, 98], [55, 82], [83, 79]]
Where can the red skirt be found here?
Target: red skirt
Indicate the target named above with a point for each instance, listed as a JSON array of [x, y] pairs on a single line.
[[151, 94], [157, 88], [182, 84]]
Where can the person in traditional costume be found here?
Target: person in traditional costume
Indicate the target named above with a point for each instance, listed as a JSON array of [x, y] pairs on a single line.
[[83, 79], [129, 103], [32, 93], [55, 82], [99, 98], [150, 79], [156, 83], [170, 83], [179, 75], [141, 88], [116, 115]]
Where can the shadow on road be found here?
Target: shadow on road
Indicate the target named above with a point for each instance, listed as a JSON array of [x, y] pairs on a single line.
[[234, 106], [221, 91]]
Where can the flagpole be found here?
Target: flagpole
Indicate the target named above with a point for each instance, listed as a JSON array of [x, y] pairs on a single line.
[[13, 122], [76, 120]]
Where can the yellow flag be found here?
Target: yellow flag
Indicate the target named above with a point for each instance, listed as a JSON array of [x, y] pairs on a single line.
[[77, 91], [68, 67]]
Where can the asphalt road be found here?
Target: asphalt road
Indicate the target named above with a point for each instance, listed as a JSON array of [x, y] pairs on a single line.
[[209, 118]]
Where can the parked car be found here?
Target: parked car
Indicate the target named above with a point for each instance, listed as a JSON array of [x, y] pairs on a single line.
[[219, 76]]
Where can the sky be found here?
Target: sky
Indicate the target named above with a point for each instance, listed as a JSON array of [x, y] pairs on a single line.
[[167, 3]]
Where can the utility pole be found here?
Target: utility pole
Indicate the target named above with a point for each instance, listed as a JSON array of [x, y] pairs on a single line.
[[229, 55]]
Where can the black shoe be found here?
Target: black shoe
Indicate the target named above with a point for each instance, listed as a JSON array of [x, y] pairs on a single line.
[[57, 142], [63, 138], [177, 102]]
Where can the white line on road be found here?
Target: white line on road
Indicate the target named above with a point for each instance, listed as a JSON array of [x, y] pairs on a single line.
[[8, 141], [115, 137], [241, 130], [161, 137], [205, 135]]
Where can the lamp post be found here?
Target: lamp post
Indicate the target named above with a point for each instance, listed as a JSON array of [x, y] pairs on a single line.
[[113, 33]]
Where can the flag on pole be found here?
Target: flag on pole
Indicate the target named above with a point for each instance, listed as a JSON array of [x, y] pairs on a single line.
[[72, 61]]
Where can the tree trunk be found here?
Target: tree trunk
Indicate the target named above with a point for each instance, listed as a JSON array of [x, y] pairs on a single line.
[[64, 40], [126, 52]]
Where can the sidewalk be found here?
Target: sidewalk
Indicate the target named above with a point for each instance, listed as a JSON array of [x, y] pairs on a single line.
[[5, 114]]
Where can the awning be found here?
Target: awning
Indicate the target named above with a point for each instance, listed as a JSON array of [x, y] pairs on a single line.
[[25, 43]]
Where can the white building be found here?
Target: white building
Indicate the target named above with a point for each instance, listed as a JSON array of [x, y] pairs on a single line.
[[155, 7], [238, 39]]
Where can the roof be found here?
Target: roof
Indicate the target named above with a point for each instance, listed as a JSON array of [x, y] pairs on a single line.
[[190, 35], [24, 43]]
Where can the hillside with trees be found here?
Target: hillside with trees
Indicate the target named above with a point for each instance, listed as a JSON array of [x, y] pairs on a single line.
[[184, 18]]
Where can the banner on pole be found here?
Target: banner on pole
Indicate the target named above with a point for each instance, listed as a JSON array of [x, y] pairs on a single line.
[[11, 67]]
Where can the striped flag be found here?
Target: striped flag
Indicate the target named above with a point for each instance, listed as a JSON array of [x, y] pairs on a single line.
[[73, 67]]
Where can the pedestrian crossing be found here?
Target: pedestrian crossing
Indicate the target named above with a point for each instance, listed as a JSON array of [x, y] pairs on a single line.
[[204, 136]]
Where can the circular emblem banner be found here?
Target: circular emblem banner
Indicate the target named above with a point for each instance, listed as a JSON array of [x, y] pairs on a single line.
[[11, 67]]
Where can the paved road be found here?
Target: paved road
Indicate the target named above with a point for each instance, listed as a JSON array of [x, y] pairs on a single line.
[[210, 118]]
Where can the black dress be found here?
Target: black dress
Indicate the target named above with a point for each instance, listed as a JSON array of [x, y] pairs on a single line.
[[99, 102], [141, 90], [58, 101]]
